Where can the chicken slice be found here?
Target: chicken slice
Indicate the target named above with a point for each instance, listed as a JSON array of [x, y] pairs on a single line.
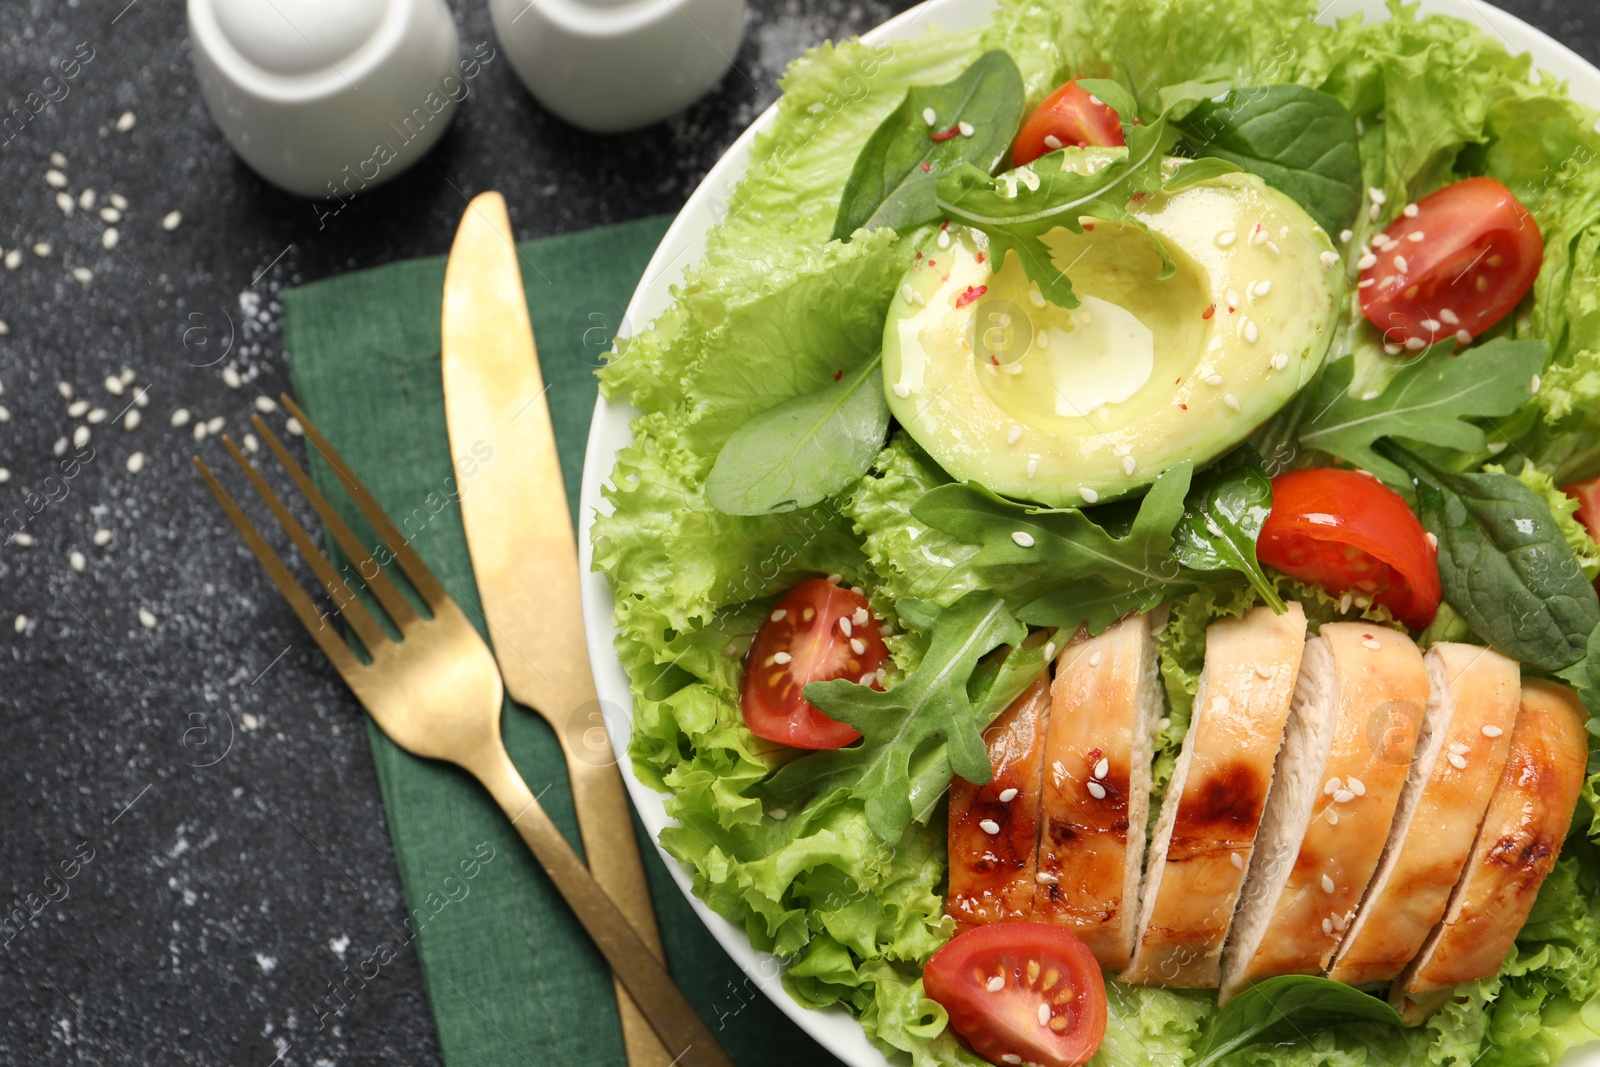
[[994, 828], [1207, 829], [1528, 818], [1105, 701], [1357, 710], [1466, 733]]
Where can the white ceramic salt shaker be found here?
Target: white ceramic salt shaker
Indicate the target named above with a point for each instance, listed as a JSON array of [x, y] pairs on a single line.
[[327, 98], [609, 65]]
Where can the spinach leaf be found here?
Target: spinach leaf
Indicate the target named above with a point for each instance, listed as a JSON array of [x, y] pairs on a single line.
[[1504, 564], [1301, 141], [1432, 400], [892, 182], [931, 708], [1222, 519], [1059, 566], [804, 450], [1584, 677], [1287, 1008]]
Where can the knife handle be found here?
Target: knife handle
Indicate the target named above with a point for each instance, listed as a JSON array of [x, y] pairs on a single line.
[[644, 976]]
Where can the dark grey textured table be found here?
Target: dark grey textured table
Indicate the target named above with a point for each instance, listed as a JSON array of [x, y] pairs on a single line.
[[205, 779]]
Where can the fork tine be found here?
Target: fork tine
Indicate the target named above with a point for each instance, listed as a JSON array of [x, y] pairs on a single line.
[[332, 644], [394, 602], [361, 621], [421, 577]]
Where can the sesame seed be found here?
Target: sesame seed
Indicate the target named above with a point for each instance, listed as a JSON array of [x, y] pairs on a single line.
[[1327, 884], [1356, 786], [1400, 264], [1343, 796], [1340, 922], [80, 437], [180, 417], [1013, 435], [928, 116], [1458, 761], [76, 561], [1045, 878], [1367, 262], [1416, 238], [76, 409], [1280, 360], [989, 826], [1333, 817], [779, 615], [5, 475], [902, 390], [1263, 670], [1232, 298], [57, 159], [110, 237], [1237, 860], [21, 624], [1431, 325], [1089, 495], [995, 984], [118, 201], [113, 385], [1409, 211], [1459, 749], [216, 424], [1102, 768], [230, 378], [1007, 795], [1032, 467], [1163, 722], [125, 122], [1095, 657], [42, 249], [1490, 730], [14, 259], [1231, 400], [1415, 344], [131, 420], [1258, 235], [1097, 790], [1330, 260], [965, 128], [1345, 236], [1366, 283], [1010, 1058], [1049, 650], [1432, 539], [943, 241], [86, 200], [1212, 379], [251, 445], [860, 617], [778, 813], [1044, 1014], [1128, 464], [1377, 195], [781, 658], [23, 539], [102, 538], [1226, 238], [1371, 644], [844, 626], [82, 275], [1272, 246], [1332, 786], [1464, 336], [59, 448], [96, 417], [171, 220], [64, 202], [110, 214], [858, 646], [1449, 317], [1534, 383], [1373, 213], [136, 463], [1264, 286], [1327, 926], [1023, 538], [56, 178], [147, 619]]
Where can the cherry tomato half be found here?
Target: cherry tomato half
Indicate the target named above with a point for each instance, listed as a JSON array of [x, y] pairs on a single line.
[[817, 632], [1587, 494], [1455, 266], [1068, 116], [1048, 1007], [1348, 532]]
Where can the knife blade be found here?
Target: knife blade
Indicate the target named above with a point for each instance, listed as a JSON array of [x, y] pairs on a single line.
[[525, 556]]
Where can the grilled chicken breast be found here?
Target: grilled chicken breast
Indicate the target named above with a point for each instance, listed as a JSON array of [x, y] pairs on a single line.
[[994, 828], [1105, 701], [1207, 829], [1358, 706], [1526, 822], [1466, 733]]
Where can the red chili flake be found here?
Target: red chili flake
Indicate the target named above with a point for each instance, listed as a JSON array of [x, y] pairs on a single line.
[[1209, 311], [995, 360], [933, 262], [1088, 227], [1184, 406], [945, 136], [1094, 754], [925, 166], [979, 257], [1136, 197], [919, 256], [972, 293], [945, 225], [838, 374]]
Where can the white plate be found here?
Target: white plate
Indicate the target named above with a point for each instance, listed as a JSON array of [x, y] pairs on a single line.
[[834, 1028]]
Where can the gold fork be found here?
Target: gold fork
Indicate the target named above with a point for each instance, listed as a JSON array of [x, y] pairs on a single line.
[[437, 693]]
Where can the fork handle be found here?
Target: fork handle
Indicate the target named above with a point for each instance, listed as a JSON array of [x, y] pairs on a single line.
[[646, 979]]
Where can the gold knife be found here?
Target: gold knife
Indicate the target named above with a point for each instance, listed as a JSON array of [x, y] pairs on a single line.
[[519, 534]]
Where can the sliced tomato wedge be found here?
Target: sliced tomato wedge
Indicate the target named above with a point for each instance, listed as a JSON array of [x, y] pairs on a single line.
[[1454, 266], [1348, 532], [1069, 116], [818, 632], [1587, 494], [1021, 993]]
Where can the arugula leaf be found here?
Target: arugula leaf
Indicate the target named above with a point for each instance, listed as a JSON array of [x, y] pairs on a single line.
[[932, 707], [1222, 520], [1287, 1008], [1429, 400], [1301, 141], [892, 183], [804, 450], [1504, 564], [1058, 565]]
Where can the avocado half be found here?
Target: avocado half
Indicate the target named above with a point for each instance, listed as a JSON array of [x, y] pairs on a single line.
[[1066, 407]]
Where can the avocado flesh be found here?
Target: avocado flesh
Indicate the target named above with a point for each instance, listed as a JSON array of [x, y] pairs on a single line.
[[1066, 407]]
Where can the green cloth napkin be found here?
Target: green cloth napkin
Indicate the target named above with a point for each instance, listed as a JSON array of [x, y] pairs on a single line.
[[511, 976]]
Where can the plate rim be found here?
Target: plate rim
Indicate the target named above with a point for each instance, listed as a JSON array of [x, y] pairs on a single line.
[[834, 1028]]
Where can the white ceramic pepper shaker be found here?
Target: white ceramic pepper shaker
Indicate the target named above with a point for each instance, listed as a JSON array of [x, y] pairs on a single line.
[[609, 65], [326, 98]]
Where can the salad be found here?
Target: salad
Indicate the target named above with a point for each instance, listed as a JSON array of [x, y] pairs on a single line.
[[1067, 412]]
